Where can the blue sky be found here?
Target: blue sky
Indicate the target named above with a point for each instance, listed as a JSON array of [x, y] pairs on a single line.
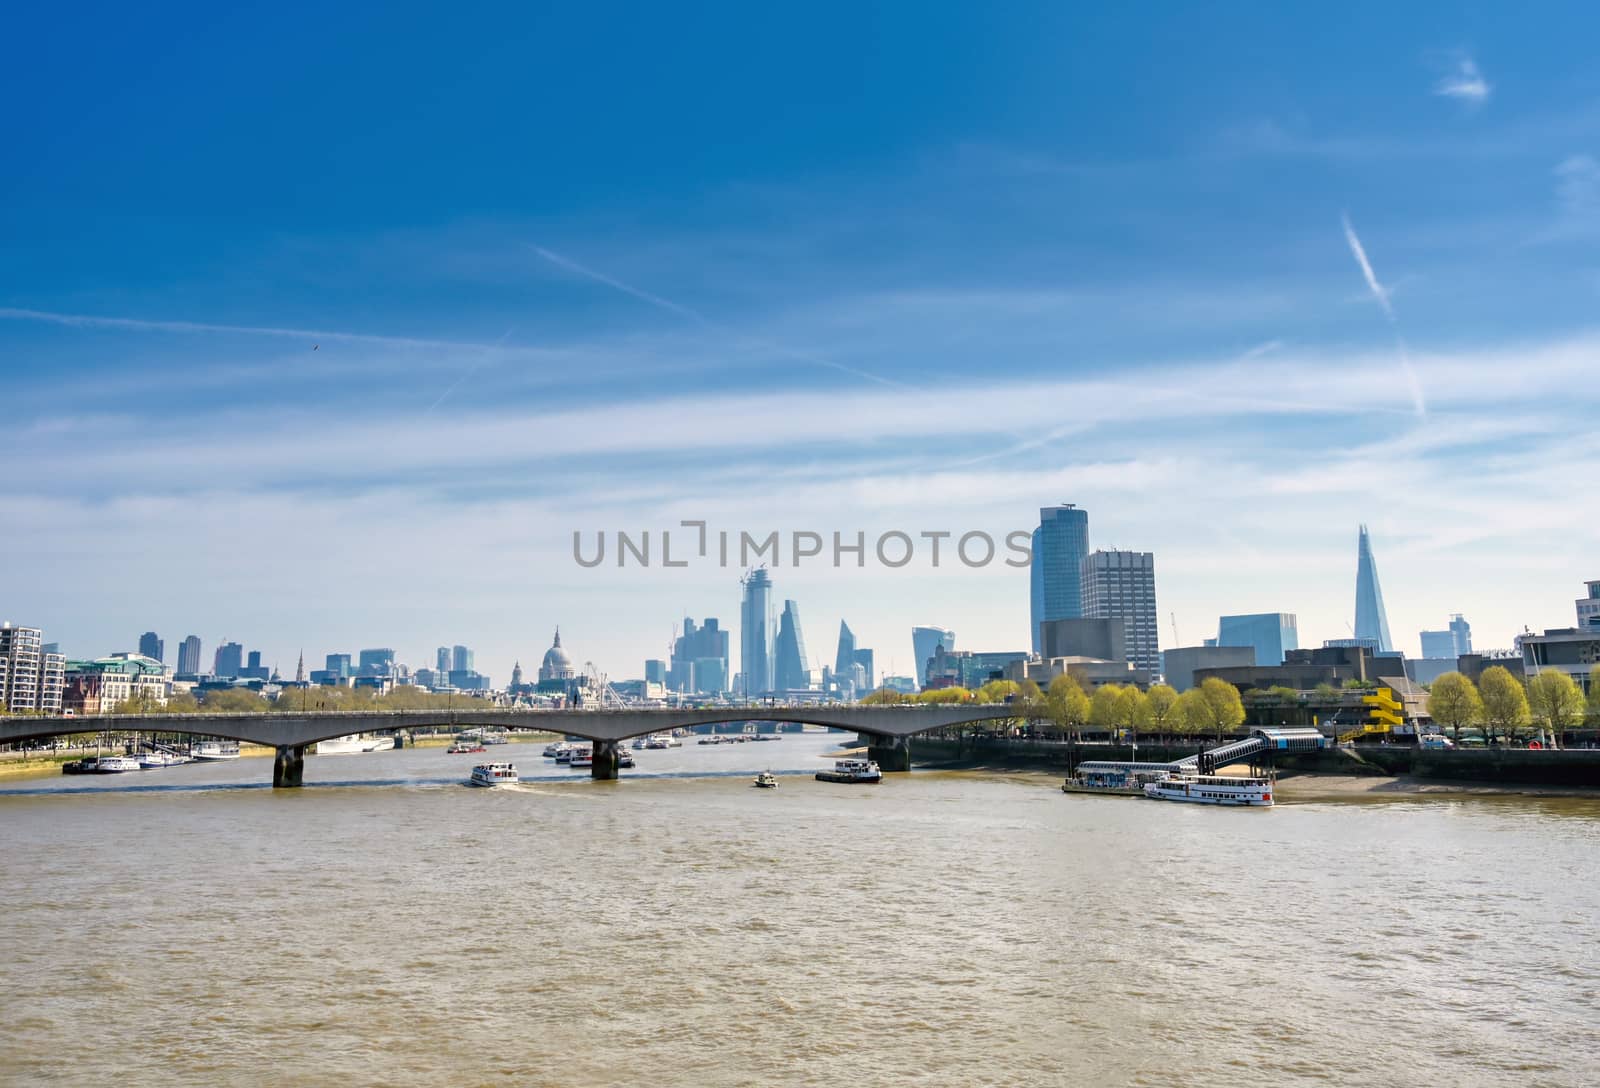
[[607, 268]]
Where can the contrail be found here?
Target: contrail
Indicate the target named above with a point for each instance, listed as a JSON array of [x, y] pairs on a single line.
[[469, 372], [1381, 293], [97, 321], [741, 339]]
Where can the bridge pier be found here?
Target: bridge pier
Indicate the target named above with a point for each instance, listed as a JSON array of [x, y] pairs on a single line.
[[604, 768], [288, 766], [890, 753]]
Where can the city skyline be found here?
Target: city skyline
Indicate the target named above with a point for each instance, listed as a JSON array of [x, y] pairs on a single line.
[[1204, 285]]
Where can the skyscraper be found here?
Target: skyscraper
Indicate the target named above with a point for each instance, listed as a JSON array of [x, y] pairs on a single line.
[[1372, 623], [461, 659], [189, 656], [375, 662], [790, 672], [151, 646], [441, 659], [1059, 545], [756, 633], [228, 660], [1453, 641], [1273, 634], [338, 666], [924, 640], [845, 656], [852, 665], [699, 658], [1122, 586]]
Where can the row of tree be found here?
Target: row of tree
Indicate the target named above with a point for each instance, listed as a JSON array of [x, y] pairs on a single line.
[[1066, 710], [1505, 707], [316, 697]]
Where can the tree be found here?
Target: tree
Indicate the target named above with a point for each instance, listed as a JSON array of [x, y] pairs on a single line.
[[1594, 695], [1505, 703], [1161, 707], [1067, 705], [233, 701], [1103, 708], [1556, 703], [1220, 708], [1326, 692], [1454, 703], [1289, 700], [1190, 716], [1133, 710]]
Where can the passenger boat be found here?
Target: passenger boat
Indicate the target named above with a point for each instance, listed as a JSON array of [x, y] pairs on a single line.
[[463, 747], [555, 750], [354, 744], [493, 736], [581, 756], [624, 758], [493, 774], [662, 740], [212, 750], [116, 764], [1212, 789], [1116, 781], [156, 758], [766, 780], [638, 744], [852, 771]]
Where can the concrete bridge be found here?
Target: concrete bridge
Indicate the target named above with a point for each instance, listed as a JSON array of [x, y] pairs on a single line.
[[289, 733]]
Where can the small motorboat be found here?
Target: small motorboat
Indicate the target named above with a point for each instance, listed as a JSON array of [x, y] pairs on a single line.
[[463, 747], [852, 771], [624, 758], [766, 780], [493, 774]]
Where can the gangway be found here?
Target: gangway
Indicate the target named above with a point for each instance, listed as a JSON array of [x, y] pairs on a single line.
[[1265, 739]]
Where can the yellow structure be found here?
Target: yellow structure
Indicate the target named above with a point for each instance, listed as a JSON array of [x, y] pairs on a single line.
[[1384, 713]]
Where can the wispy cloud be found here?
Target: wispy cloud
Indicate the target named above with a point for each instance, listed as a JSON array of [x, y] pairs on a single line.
[[1578, 187], [1381, 294], [1465, 83]]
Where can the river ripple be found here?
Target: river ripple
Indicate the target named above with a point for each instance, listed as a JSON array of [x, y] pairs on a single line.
[[941, 929]]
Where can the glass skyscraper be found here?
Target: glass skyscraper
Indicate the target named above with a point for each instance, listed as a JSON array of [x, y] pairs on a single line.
[[756, 634], [1271, 633], [924, 640], [1059, 545], [789, 654], [1122, 586], [1372, 623]]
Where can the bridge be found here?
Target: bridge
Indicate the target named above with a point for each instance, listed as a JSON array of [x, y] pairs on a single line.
[[889, 727]]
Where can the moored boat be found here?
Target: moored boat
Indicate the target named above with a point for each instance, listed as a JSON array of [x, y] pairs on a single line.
[[354, 744], [158, 758], [116, 764], [766, 780], [493, 774], [855, 771], [1114, 780], [210, 751], [463, 747], [1212, 789], [582, 756], [557, 750]]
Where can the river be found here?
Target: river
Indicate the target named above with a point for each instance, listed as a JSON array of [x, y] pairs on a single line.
[[387, 925]]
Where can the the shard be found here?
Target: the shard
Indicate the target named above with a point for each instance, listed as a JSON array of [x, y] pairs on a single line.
[[1372, 623]]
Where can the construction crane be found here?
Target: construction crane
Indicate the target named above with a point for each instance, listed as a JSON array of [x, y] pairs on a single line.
[[600, 688], [1176, 641]]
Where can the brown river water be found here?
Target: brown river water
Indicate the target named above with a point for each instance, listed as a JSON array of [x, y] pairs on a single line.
[[387, 925]]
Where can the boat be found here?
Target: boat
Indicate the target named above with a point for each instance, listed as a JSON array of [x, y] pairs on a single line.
[[1212, 789], [564, 753], [857, 771], [493, 736], [582, 756], [624, 758], [555, 750], [766, 780], [662, 740], [354, 744], [638, 744], [116, 765], [1113, 780], [712, 739], [86, 765], [493, 774], [212, 750], [158, 758], [463, 747]]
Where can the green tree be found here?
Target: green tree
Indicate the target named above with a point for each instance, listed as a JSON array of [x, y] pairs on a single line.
[[1161, 703], [1556, 703], [1286, 701], [1190, 716], [1220, 707], [232, 701], [1326, 692], [1594, 696], [1505, 703], [1133, 711], [1103, 708], [1454, 703], [1067, 705], [882, 696]]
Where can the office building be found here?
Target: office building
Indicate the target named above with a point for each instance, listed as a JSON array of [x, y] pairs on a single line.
[[1122, 585], [1452, 642], [254, 669], [189, 656], [375, 662], [461, 659], [1574, 651], [1179, 665], [1372, 622], [151, 646], [442, 661], [854, 671], [228, 661], [699, 663], [106, 684], [1589, 608], [338, 666], [1059, 545], [924, 640], [757, 628], [655, 672], [1271, 634], [1101, 639], [790, 672]]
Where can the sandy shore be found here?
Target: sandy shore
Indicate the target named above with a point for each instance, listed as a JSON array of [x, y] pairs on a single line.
[[1314, 787]]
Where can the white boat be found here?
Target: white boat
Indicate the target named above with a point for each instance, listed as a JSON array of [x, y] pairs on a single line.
[[116, 764], [1113, 780], [582, 756], [1212, 789], [853, 771], [638, 744], [156, 758], [493, 774], [766, 780], [212, 750], [354, 744], [557, 750], [492, 736]]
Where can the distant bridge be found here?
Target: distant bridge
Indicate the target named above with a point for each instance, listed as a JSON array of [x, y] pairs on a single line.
[[290, 733]]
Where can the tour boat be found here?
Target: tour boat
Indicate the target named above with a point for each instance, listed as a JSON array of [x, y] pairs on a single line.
[[494, 774], [116, 764], [354, 744], [463, 747], [853, 771], [212, 750], [157, 758], [582, 756], [1116, 781], [1212, 789], [766, 780], [493, 736], [662, 740], [556, 750]]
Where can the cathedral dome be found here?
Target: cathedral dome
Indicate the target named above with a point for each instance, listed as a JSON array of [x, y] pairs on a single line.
[[557, 665]]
